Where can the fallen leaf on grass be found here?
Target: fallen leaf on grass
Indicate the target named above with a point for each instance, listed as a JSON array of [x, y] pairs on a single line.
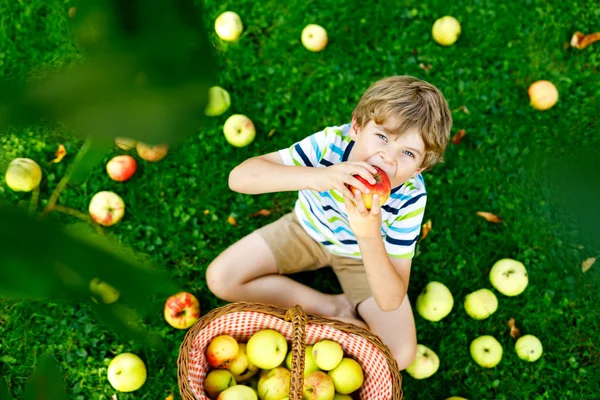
[[231, 220], [463, 109], [426, 229], [514, 332], [72, 12], [261, 213], [206, 212], [458, 137], [587, 264], [425, 67], [169, 397], [60, 154], [271, 132], [489, 216], [581, 41]]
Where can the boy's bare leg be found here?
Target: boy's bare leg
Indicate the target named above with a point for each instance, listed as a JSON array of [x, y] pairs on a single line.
[[395, 328], [247, 271]]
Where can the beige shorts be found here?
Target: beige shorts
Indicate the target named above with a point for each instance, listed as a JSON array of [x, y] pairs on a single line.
[[295, 251]]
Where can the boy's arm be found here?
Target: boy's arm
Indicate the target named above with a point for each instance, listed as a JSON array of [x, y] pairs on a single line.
[[268, 173], [388, 278]]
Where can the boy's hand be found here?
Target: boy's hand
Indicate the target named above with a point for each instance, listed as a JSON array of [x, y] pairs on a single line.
[[340, 175], [364, 223]]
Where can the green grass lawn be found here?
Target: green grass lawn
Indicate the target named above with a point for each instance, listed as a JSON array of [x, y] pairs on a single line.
[[284, 89]]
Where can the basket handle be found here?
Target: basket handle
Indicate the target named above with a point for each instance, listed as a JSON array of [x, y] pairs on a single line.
[[298, 318]]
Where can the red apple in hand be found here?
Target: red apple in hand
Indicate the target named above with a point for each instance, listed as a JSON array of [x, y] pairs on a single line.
[[121, 168], [382, 187], [182, 310]]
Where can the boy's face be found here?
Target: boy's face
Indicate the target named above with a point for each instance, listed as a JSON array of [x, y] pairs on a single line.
[[399, 156]]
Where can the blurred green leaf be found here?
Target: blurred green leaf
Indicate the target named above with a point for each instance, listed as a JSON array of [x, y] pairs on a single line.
[[41, 261], [46, 382], [88, 157], [146, 74], [4, 395]]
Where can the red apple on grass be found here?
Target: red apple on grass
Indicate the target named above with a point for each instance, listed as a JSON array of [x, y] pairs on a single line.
[[152, 153], [121, 168], [382, 188], [106, 208], [182, 310]]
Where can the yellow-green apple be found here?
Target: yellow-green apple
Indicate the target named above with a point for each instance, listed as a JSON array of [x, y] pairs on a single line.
[[542, 95], [182, 310], [435, 301], [126, 372], [23, 175], [266, 349], [229, 26], [327, 354], [152, 153], [446, 30], [221, 351], [382, 187], [218, 101], [104, 291], [241, 367], [318, 386], [314, 37], [509, 277], [106, 208], [425, 364], [238, 392], [218, 380], [529, 348], [121, 168], [481, 304], [239, 130], [274, 384], [456, 398], [125, 143], [339, 396], [347, 376], [309, 362], [486, 351]]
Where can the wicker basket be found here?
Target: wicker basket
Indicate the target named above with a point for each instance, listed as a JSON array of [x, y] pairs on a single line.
[[241, 320]]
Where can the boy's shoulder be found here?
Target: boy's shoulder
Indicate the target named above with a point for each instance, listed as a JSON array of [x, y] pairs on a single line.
[[411, 190]]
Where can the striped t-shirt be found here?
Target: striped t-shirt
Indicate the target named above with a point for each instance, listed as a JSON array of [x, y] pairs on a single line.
[[323, 214]]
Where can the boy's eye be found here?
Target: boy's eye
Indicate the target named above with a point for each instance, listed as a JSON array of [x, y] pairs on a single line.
[[409, 153], [382, 137]]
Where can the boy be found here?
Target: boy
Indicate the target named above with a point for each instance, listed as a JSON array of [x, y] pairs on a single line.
[[402, 125]]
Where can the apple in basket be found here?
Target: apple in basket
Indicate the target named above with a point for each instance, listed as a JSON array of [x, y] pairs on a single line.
[[238, 392], [274, 384], [339, 396], [217, 381], [347, 377], [267, 349], [221, 351], [309, 362], [327, 354], [241, 368], [318, 386]]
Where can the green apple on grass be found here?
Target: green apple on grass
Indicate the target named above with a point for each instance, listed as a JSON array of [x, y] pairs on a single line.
[[239, 130], [23, 175], [509, 277], [529, 348], [486, 351], [218, 101], [435, 301], [314, 37], [446, 30], [229, 26], [481, 304], [425, 364], [126, 372]]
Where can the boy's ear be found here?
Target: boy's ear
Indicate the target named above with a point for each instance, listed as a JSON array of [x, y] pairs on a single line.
[[353, 129]]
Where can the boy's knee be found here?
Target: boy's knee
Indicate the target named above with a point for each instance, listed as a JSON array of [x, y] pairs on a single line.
[[218, 281], [405, 355]]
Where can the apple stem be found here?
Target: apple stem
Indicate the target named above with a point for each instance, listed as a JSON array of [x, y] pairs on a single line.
[[78, 214], [54, 196], [34, 199]]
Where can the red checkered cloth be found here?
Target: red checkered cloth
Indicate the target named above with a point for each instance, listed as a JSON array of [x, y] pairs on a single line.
[[242, 325]]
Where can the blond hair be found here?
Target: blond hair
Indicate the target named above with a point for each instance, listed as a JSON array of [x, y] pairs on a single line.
[[404, 102]]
